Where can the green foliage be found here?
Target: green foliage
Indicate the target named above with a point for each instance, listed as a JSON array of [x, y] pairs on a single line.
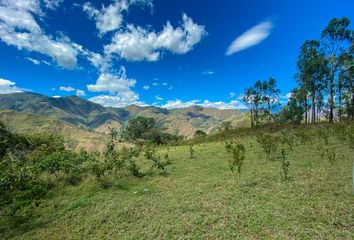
[[191, 151], [261, 100], [136, 127], [269, 144], [26, 164], [285, 164], [134, 168], [238, 152], [158, 163], [199, 134], [144, 128]]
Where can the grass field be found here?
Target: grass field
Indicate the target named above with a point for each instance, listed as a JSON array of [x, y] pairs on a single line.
[[202, 199]]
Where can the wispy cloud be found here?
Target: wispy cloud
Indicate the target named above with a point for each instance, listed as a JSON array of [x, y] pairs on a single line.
[[251, 37], [208, 72]]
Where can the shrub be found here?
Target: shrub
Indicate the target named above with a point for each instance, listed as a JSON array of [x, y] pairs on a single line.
[[269, 144], [238, 152], [191, 151], [285, 164], [158, 163]]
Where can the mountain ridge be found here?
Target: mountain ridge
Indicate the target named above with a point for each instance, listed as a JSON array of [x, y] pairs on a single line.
[[94, 117]]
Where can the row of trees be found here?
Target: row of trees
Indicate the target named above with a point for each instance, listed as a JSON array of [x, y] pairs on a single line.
[[325, 76], [262, 99], [325, 80]]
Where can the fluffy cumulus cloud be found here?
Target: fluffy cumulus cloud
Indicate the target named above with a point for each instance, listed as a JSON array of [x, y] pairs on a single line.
[[234, 104], [7, 86], [66, 89], [137, 44], [119, 88], [19, 28], [251, 37], [109, 18], [78, 92]]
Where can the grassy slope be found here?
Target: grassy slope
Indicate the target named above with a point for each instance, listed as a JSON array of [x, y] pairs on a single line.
[[75, 137], [201, 199]]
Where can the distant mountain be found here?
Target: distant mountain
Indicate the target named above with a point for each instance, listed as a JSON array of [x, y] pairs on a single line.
[[88, 116]]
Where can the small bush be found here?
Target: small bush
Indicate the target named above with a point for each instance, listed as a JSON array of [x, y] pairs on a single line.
[[238, 152]]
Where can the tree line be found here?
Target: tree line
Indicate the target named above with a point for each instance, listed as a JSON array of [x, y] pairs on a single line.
[[325, 82]]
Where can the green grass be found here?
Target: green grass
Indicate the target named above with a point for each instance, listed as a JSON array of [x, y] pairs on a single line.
[[202, 199]]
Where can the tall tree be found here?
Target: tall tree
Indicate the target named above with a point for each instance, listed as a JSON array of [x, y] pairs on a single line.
[[335, 38], [261, 99], [293, 112], [312, 75], [271, 96], [347, 78]]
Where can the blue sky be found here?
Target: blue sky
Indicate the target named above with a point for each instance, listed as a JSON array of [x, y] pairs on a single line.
[[171, 53]]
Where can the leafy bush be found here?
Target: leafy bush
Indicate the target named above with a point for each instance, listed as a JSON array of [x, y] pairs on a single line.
[[191, 151], [285, 164], [238, 152], [269, 144], [158, 163]]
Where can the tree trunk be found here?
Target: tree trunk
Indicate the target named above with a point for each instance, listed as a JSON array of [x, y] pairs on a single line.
[[305, 108], [252, 125], [340, 109], [352, 112], [313, 117], [331, 95]]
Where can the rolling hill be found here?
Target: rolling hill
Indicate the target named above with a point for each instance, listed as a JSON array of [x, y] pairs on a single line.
[[32, 111]]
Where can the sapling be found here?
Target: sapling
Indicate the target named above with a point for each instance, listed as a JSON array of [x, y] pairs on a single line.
[[238, 153], [191, 151], [284, 163], [151, 154], [269, 143]]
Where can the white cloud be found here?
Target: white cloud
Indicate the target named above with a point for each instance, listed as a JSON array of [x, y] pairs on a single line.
[[232, 95], [116, 101], [56, 96], [19, 28], [67, 89], [138, 44], [80, 93], [208, 72], [234, 104], [7, 86], [157, 97], [52, 4], [146, 87], [164, 84], [251, 37], [113, 84], [34, 61], [155, 84], [109, 18], [119, 87]]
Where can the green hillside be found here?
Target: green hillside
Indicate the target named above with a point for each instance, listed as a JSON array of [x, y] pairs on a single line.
[[94, 117]]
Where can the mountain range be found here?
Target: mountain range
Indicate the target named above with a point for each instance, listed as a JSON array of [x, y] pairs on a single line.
[[86, 123]]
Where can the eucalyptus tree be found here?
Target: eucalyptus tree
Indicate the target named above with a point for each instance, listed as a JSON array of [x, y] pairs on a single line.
[[312, 75], [335, 39], [261, 99], [347, 78], [271, 97], [294, 111]]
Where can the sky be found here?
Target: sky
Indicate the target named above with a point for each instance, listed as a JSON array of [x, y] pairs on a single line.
[[166, 53]]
